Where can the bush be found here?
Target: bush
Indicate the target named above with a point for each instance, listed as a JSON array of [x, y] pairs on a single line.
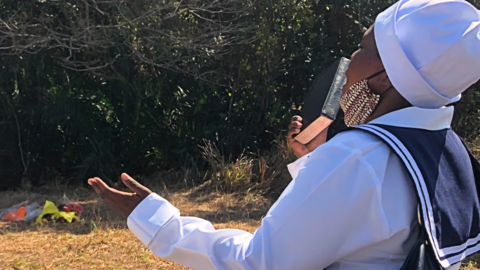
[[93, 88]]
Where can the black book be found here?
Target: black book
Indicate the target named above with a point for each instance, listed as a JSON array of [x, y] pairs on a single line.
[[323, 102]]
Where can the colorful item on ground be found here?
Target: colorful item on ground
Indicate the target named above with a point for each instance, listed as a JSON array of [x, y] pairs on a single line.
[[32, 211], [73, 207], [69, 212], [15, 215], [51, 213]]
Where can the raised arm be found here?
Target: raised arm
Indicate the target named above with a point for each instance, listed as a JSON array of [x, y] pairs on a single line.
[[329, 210]]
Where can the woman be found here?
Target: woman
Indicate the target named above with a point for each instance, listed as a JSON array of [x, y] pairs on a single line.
[[352, 203]]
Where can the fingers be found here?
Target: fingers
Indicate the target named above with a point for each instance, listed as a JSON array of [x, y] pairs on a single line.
[[99, 186], [131, 183], [294, 128], [135, 186], [297, 118], [95, 187], [121, 202], [292, 132], [295, 125], [103, 187]]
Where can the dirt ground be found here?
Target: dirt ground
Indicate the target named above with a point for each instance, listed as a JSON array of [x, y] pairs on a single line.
[[101, 240]]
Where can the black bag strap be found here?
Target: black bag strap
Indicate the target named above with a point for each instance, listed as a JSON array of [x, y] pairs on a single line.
[[421, 256]]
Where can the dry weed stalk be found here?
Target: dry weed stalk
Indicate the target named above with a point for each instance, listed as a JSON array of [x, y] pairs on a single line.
[[249, 172], [226, 175]]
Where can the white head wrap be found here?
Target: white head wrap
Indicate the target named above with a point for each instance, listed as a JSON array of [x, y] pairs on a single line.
[[430, 49]]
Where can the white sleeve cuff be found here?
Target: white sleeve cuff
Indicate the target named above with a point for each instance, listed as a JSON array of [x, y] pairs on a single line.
[[149, 217]]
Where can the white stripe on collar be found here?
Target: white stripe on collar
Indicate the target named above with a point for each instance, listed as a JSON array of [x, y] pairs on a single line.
[[414, 117]]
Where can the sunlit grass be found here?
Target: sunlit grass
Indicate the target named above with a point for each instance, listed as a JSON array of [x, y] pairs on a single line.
[[102, 241]]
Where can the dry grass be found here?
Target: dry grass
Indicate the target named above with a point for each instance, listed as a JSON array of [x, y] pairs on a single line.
[[102, 240], [267, 172]]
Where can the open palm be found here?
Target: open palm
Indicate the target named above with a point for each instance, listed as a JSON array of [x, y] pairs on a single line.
[[122, 202]]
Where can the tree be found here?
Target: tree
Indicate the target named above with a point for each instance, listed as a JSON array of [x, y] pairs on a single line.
[[93, 87]]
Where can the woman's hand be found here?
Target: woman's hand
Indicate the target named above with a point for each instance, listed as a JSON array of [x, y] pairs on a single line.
[[121, 202], [299, 149], [295, 126]]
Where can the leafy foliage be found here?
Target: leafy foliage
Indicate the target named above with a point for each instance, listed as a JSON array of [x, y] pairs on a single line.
[[99, 87]]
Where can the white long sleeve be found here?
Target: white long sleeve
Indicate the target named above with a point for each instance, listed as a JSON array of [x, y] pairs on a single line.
[[350, 206]]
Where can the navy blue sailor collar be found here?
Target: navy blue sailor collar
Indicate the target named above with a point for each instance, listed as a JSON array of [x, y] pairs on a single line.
[[445, 174]]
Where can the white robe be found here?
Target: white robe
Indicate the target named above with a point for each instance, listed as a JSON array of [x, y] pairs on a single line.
[[351, 205]]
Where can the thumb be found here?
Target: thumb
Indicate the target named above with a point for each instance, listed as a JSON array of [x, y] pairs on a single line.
[[135, 186]]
